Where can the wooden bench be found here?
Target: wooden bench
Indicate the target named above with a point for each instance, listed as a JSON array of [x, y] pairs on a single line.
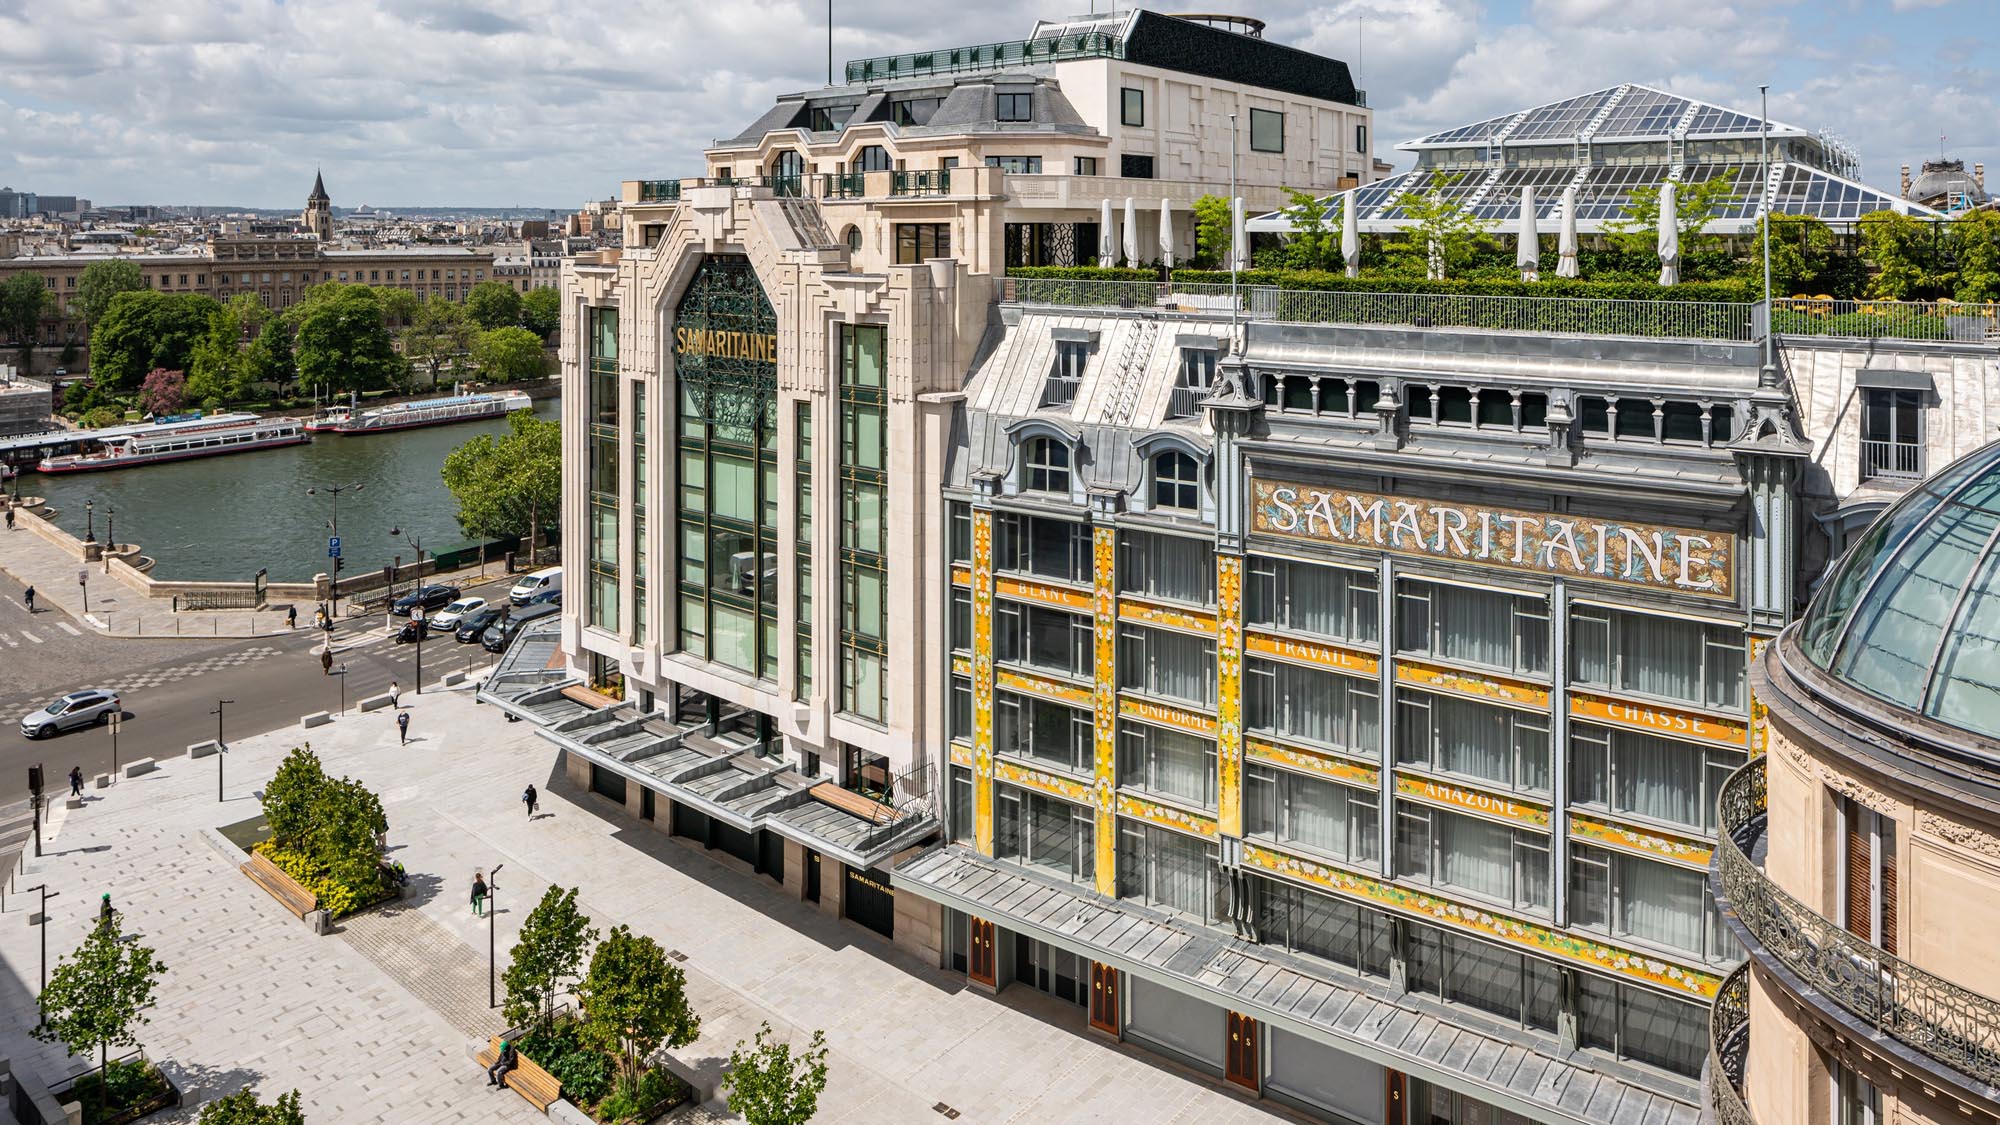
[[526, 1078], [846, 800], [279, 885]]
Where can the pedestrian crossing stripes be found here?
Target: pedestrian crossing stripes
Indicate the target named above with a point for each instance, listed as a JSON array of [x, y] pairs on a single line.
[[30, 637], [160, 677], [69, 628], [17, 829]]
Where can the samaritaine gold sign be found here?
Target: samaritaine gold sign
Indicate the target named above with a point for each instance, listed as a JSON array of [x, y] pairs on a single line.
[[722, 344], [1636, 554]]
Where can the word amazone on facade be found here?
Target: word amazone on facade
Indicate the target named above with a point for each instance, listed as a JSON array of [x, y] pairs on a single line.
[[1338, 710]]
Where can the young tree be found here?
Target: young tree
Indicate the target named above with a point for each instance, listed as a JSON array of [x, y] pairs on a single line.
[[101, 281], [142, 331], [1800, 248], [98, 995], [769, 1085], [554, 938], [1637, 231], [270, 358], [1899, 247], [509, 484], [509, 355], [635, 1001], [218, 370], [1211, 232], [163, 392], [1445, 235], [438, 334], [24, 300], [289, 795], [493, 304], [1975, 242], [243, 1108], [1314, 243], [541, 311], [343, 344]]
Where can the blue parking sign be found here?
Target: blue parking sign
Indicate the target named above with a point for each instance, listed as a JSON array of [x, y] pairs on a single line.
[[333, 546]]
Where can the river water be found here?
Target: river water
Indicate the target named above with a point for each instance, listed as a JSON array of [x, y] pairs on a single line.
[[217, 519]]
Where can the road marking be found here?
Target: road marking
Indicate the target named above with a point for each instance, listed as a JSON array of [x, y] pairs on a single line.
[[69, 628], [27, 636], [9, 641]]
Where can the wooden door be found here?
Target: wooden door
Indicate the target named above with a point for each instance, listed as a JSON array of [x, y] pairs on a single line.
[[1399, 1111], [980, 956], [1104, 998], [1242, 1059]]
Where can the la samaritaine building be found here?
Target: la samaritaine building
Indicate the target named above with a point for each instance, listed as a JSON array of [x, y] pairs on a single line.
[[1337, 710]]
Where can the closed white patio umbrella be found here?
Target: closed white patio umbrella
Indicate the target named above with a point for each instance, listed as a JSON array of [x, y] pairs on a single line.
[[1528, 255], [1131, 233], [1566, 242], [1670, 237], [1239, 239], [1166, 234], [1350, 232], [1107, 237]]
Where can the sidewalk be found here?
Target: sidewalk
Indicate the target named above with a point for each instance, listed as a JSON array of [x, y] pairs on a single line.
[[370, 1023], [115, 608]]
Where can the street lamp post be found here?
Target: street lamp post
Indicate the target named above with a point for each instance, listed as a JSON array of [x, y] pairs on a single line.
[[333, 525], [220, 749], [417, 618], [110, 535], [90, 521], [342, 673], [492, 908], [42, 922]]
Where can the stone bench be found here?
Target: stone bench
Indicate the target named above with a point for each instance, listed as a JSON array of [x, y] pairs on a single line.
[[316, 719], [374, 703], [207, 749], [140, 767]]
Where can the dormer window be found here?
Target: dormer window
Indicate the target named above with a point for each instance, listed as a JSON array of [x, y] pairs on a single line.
[[1014, 107], [1192, 382], [1176, 482], [1046, 467], [1067, 377]]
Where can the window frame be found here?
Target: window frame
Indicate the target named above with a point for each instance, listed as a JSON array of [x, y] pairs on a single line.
[[1132, 106], [1174, 493], [1267, 115], [1042, 471], [1013, 106]]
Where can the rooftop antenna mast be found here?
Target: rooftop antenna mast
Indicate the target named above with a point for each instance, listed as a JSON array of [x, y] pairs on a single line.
[[829, 42]]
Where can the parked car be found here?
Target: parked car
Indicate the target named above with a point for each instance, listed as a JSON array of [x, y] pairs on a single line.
[[547, 597], [447, 619], [77, 709], [540, 582], [427, 598], [475, 623], [501, 633]]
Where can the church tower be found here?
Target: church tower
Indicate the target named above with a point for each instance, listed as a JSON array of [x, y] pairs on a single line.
[[318, 216]]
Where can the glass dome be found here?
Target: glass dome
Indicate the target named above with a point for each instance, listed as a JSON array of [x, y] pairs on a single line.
[[1912, 613]]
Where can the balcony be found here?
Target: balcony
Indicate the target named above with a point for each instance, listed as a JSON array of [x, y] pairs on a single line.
[[986, 56], [1729, 1050], [1891, 320], [1926, 1020], [1895, 460], [1088, 193], [937, 181]]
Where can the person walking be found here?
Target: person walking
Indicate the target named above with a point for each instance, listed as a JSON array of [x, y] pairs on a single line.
[[326, 661], [10, 519], [531, 799], [291, 617], [395, 695], [403, 727], [30, 598], [76, 781], [478, 894], [104, 911]]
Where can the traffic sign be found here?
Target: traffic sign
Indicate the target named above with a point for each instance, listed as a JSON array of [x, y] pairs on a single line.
[[82, 577], [333, 546]]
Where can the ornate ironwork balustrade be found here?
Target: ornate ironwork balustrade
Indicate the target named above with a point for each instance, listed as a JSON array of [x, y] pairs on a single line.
[[1729, 1048]]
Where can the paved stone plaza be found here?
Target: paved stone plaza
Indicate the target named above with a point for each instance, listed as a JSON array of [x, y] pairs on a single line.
[[371, 1022]]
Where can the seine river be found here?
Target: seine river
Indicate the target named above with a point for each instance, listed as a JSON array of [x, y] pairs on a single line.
[[222, 518]]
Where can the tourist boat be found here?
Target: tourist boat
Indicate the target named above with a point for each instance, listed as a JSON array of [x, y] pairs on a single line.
[[350, 419], [178, 441]]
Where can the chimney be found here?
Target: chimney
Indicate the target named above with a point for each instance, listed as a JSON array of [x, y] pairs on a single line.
[[1979, 176], [1906, 181]]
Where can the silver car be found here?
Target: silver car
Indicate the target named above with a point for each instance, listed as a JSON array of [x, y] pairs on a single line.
[[77, 709]]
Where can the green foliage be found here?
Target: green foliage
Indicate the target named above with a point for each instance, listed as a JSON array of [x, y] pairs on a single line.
[[117, 1090], [1637, 231], [493, 304], [1512, 286], [635, 1000], [98, 995], [541, 311], [243, 1108], [1444, 235], [101, 281], [1975, 242], [509, 484], [549, 952], [271, 358], [509, 355], [1084, 273], [24, 300], [342, 343], [1900, 247], [558, 1047], [635, 1101], [82, 396], [221, 369], [770, 1085], [438, 334], [399, 305], [98, 417], [1211, 232], [1314, 243], [289, 795], [324, 833], [145, 330], [1801, 246]]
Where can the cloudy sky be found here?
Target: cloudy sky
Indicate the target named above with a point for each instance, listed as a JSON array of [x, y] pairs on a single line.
[[551, 102]]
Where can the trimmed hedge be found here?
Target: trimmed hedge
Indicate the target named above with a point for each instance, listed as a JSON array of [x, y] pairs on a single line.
[[1084, 273], [1731, 291]]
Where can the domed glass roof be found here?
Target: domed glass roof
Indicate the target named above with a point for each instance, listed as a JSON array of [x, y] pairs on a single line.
[[1912, 614]]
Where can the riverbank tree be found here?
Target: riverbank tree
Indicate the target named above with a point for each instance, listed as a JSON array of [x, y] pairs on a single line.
[[24, 299], [145, 330], [493, 304], [508, 484], [541, 311], [509, 355], [438, 334], [342, 341], [101, 281]]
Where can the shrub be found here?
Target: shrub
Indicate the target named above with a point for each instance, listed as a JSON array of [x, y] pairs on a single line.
[[1731, 291], [557, 1047], [324, 833], [1084, 273], [636, 1100], [243, 1108]]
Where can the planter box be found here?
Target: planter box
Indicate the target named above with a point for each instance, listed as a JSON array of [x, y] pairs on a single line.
[[167, 1097]]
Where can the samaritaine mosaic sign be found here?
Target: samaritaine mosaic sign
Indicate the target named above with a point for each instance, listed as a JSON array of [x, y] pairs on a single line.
[[1635, 554]]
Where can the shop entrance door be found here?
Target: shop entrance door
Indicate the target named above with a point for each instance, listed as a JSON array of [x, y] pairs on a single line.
[[980, 960], [1242, 1057], [1057, 972], [1104, 998]]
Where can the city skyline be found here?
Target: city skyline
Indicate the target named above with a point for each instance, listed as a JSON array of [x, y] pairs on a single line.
[[397, 107]]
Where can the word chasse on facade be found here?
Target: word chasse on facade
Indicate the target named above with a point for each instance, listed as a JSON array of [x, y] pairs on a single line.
[[1640, 554]]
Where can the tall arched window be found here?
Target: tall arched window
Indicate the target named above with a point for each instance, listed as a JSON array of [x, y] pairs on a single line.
[[788, 171], [1047, 466], [873, 158], [1176, 482]]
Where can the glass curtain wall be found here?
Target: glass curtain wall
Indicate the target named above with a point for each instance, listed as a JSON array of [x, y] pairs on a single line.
[[602, 411], [803, 554], [863, 503], [640, 543]]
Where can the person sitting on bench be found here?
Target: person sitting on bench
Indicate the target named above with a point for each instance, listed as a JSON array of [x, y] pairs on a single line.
[[496, 1075]]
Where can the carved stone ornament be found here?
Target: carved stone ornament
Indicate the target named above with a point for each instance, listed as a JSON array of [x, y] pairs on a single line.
[[1840, 783], [1964, 835]]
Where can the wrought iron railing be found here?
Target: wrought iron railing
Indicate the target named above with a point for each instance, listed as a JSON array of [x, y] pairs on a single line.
[[987, 56], [933, 181], [1900, 320], [1953, 1026], [659, 191], [1891, 459], [843, 185], [1729, 1049]]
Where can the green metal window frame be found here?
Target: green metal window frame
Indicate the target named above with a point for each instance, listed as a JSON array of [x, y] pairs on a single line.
[[803, 551], [863, 559], [601, 410]]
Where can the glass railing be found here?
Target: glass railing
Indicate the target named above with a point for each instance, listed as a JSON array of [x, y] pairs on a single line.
[[986, 56], [659, 191]]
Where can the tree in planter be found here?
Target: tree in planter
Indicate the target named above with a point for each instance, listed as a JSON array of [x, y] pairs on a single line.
[[1900, 246], [243, 1108], [1211, 232], [97, 996], [1444, 235], [1637, 231], [635, 1002], [1975, 242], [769, 1085], [1801, 249], [289, 795], [550, 951], [1314, 243]]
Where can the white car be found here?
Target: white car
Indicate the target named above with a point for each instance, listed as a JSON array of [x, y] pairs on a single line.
[[448, 618], [77, 709]]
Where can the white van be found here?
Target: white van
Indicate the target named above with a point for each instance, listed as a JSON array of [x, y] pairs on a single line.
[[539, 586]]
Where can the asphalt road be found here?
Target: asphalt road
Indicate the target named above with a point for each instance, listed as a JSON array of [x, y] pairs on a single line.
[[169, 688]]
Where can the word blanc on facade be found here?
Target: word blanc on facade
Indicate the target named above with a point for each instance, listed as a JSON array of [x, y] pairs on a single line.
[[1673, 558]]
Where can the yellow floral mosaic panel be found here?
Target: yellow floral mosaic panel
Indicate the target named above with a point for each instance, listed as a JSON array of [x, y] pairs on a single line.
[[1104, 713], [961, 576], [1041, 781], [1668, 722], [1046, 595], [1229, 692], [1311, 653], [1489, 689], [1312, 761], [1173, 617], [961, 754], [982, 681], [1009, 680], [1443, 912], [1146, 711], [961, 666], [1166, 816], [1652, 845], [1488, 806], [1759, 714]]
